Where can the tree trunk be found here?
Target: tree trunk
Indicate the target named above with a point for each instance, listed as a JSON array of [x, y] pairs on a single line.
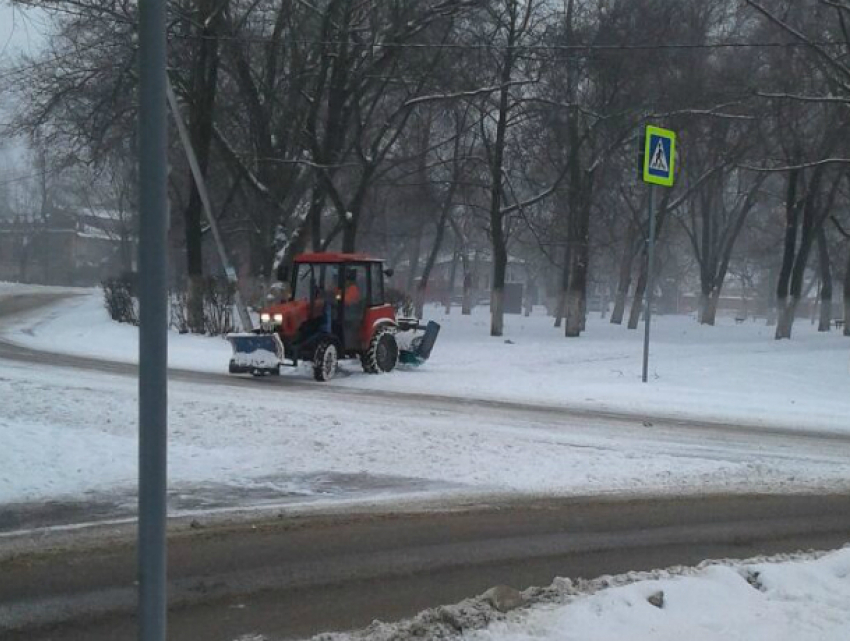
[[530, 290], [640, 289], [637, 299], [314, 215], [710, 311], [813, 216], [497, 294], [201, 102], [296, 246], [497, 312], [450, 286], [624, 279], [195, 303], [620, 301], [847, 314], [703, 305], [847, 296], [797, 278], [349, 232], [787, 311], [826, 282], [497, 163], [23, 260], [466, 305], [429, 262], [575, 315], [576, 306], [798, 273], [351, 218], [789, 249], [414, 263], [770, 312], [561, 302]]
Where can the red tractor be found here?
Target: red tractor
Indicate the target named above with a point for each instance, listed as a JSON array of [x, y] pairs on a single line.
[[334, 307]]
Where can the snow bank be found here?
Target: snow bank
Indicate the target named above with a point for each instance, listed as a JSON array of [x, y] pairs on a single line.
[[7, 288], [82, 326], [799, 597], [733, 373]]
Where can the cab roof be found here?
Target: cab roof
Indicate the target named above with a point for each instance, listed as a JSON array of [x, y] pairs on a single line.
[[336, 257]]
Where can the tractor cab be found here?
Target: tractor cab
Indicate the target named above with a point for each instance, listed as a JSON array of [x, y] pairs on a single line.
[[343, 293], [334, 307]]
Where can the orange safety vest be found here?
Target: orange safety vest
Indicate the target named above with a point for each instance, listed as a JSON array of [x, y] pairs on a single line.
[[352, 294]]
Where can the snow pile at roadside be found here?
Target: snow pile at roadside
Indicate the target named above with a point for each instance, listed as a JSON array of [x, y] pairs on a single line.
[[81, 326], [19, 288], [732, 372], [804, 597]]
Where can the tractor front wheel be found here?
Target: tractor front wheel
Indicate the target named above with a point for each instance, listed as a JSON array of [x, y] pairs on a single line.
[[325, 361], [382, 354]]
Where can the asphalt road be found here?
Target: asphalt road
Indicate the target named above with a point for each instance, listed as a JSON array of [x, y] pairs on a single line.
[[295, 576], [286, 578]]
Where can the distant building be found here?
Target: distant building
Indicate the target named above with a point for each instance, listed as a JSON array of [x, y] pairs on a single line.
[[66, 247]]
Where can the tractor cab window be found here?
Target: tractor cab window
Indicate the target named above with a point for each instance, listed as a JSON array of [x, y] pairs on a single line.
[[377, 285], [329, 281], [356, 285], [316, 281], [305, 283]]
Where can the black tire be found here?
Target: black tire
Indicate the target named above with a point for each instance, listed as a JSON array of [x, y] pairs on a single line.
[[325, 360], [382, 354]]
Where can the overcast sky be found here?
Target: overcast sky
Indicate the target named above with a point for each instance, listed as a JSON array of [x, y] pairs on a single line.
[[20, 33]]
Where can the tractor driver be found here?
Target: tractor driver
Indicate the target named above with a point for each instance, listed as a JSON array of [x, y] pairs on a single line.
[[334, 295], [352, 291]]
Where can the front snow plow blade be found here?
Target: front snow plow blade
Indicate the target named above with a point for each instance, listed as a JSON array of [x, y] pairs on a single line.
[[256, 354], [420, 347]]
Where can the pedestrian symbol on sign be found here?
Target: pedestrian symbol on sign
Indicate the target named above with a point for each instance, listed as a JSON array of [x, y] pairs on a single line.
[[659, 156], [659, 159]]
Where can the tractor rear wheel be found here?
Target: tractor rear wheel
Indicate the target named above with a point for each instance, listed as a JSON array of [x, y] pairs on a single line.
[[382, 353], [325, 360]]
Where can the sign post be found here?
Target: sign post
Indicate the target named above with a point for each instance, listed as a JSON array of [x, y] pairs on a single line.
[[153, 319], [659, 157]]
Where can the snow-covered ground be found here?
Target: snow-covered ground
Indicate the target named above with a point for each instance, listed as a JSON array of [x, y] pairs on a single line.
[[731, 372], [799, 598], [72, 434]]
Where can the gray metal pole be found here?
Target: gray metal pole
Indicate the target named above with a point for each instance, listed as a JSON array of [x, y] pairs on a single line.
[[200, 183], [153, 319], [650, 282]]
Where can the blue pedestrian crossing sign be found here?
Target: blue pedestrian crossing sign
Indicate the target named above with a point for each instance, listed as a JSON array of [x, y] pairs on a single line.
[[659, 156]]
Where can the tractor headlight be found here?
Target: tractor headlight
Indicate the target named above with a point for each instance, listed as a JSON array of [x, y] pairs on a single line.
[[278, 318], [265, 318]]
